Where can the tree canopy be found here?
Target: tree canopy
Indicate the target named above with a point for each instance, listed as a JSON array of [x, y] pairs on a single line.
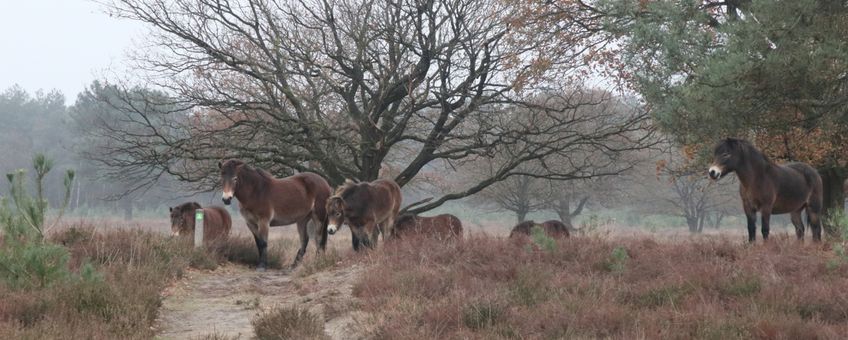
[[772, 71], [341, 88]]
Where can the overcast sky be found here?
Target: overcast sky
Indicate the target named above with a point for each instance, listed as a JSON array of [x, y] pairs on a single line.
[[61, 44]]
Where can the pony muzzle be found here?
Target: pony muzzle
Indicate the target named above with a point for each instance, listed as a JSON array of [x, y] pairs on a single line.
[[332, 228], [715, 172], [227, 197]]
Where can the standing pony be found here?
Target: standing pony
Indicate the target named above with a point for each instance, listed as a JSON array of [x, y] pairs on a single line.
[[368, 208], [265, 201], [770, 188]]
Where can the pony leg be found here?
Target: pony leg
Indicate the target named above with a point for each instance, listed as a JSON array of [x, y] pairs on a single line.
[[368, 234], [798, 223], [260, 235], [260, 243], [303, 232], [375, 234], [814, 219], [322, 237], [752, 225], [354, 240], [766, 217], [359, 237], [389, 226]]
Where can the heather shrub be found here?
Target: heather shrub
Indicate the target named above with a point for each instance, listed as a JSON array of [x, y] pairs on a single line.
[[593, 287], [288, 323]]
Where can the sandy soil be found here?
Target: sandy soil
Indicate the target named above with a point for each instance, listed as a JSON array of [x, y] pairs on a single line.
[[223, 302]]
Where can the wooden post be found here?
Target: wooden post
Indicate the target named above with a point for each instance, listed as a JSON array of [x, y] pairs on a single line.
[[198, 228]]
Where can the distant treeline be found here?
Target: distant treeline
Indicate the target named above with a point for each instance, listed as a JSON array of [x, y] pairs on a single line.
[[42, 122]]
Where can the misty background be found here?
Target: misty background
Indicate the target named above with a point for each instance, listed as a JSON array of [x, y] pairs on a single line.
[[51, 80]]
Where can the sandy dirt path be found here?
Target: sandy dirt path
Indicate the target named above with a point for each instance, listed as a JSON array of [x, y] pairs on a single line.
[[224, 301]]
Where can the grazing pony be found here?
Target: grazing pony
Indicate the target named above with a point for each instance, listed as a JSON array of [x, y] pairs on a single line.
[[440, 226], [265, 201], [770, 188], [368, 208], [216, 222], [552, 228]]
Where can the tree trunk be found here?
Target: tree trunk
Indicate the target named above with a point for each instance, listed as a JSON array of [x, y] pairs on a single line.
[[692, 222], [718, 217], [833, 180], [521, 215], [565, 218], [564, 210]]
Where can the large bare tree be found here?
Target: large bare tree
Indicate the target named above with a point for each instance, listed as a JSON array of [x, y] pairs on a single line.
[[534, 188], [337, 87]]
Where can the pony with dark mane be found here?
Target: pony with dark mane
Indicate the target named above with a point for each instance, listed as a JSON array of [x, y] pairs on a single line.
[[368, 208], [770, 188], [442, 226], [265, 201], [552, 228], [216, 222]]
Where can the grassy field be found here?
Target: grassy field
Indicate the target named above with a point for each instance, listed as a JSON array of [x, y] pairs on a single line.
[[597, 287], [607, 284]]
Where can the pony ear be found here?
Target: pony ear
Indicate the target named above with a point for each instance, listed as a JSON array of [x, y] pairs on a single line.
[[220, 165], [170, 209]]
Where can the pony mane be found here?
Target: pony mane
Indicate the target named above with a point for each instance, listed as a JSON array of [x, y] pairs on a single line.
[[259, 171], [345, 187], [263, 173], [189, 205], [752, 150]]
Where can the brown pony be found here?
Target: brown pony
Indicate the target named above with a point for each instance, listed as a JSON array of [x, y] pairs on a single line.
[[551, 228], [265, 201], [368, 208], [440, 226], [770, 188], [216, 222]]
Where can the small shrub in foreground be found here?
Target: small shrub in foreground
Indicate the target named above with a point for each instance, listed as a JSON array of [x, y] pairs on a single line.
[[32, 265], [288, 323], [839, 259], [541, 239], [616, 262], [482, 314]]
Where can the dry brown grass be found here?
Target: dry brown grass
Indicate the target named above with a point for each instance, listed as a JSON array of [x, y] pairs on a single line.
[[120, 301], [595, 287], [242, 250]]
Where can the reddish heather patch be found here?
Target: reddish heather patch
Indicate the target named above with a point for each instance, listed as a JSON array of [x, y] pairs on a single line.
[[593, 287]]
